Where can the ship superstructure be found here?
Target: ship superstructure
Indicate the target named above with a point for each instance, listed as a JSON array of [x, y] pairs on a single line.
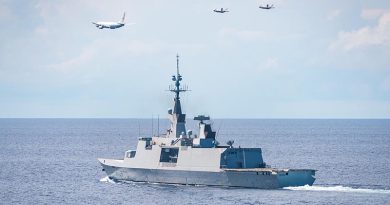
[[182, 157]]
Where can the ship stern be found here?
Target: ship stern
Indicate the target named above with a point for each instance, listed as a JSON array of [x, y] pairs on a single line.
[[293, 177]]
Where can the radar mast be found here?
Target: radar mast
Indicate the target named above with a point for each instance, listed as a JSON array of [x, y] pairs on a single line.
[[177, 89], [177, 118]]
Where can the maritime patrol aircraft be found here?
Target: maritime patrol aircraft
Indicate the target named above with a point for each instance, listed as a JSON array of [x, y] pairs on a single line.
[[221, 11], [267, 7], [110, 25]]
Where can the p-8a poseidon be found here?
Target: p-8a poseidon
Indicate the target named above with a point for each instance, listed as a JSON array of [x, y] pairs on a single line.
[[109, 24], [181, 157]]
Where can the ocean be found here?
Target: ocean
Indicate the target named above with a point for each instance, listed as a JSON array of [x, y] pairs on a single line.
[[54, 161]]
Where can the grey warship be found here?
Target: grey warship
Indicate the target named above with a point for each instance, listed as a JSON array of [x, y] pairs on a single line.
[[181, 157]]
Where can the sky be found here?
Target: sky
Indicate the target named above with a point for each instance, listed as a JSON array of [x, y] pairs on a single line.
[[303, 59]]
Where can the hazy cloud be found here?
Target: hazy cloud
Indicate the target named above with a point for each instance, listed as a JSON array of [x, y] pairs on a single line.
[[333, 14], [365, 36], [326, 108], [372, 13], [245, 35], [41, 31], [52, 47], [4, 10], [75, 62], [272, 63], [386, 84]]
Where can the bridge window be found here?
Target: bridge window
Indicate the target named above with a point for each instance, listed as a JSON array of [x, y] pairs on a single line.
[[130, 154], [169, 155], [148, 143]]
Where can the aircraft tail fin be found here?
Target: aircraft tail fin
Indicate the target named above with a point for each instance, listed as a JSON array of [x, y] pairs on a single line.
[[123, 17]]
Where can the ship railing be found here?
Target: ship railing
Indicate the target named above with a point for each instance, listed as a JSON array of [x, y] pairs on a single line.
[[176, 141]]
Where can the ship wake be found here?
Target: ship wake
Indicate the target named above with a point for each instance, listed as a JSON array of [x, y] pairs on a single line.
[[107, 179], [338, 189]]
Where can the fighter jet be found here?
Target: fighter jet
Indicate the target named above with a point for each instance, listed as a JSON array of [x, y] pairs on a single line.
[[221, 11], [267, 7], [110, 25]]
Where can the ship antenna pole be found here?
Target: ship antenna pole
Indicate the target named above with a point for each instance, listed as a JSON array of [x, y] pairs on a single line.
[[158, 125], [139, 130], [152, 127], [178, 78], [177, 64]]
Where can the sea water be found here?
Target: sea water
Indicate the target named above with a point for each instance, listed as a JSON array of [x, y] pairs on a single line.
[[54, 161]]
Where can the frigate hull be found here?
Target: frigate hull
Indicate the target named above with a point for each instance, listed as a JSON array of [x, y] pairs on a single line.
[[179, 156], [248, 178]]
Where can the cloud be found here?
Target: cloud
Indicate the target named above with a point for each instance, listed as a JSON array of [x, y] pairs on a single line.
[[272, 63], [75, 62], [372, 13], [333, 109], [269, 65], [4, 10], [245, 35], [128, 47], [41, 31], [333, 14], [378, 35], [386, 84]]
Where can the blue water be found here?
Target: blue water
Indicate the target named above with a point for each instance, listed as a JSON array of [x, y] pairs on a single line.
[[53, 161]]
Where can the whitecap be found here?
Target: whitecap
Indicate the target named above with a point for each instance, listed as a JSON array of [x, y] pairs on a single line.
[[337, 189], [107, 180]]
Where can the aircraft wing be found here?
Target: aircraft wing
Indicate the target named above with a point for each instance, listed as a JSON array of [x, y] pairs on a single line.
[[100, 26]]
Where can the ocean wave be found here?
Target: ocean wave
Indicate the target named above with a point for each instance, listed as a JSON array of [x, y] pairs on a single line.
[[338, 189], [107, 180]]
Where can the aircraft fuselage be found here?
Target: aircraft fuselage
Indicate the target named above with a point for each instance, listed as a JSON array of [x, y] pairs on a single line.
[[110, 25]]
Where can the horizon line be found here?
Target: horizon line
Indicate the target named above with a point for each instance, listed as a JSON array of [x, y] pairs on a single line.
[[219, 118]]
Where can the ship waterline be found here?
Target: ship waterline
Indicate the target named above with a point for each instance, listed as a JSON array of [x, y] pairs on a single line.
[[262, 178]]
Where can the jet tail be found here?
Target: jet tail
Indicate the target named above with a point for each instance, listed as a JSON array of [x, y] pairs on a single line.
[[123, 17]]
